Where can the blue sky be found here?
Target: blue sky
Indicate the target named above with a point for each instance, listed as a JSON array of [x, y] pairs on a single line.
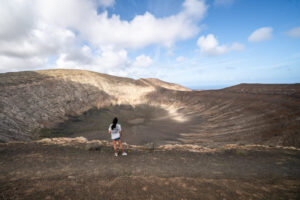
[[199, 44]]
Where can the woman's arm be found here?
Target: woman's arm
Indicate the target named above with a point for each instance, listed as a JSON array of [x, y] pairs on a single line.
[[121, 133], [109, 129]]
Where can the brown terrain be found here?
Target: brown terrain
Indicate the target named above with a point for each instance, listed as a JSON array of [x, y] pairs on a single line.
[[240, 142]]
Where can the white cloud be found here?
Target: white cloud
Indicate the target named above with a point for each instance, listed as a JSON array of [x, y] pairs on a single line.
[[136, 68], [193, 8], [223, 2], [106, 3], [180, 59], [9, 64], [142, 30], [261, 34], [102, 61], [237, 47], [142, 61], [16, 19], [41, 41], [74, 32], [294, 32], [209, 45], [32, 51]]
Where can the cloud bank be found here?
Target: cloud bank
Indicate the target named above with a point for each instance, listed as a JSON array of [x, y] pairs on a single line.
[[294, 32], [73, 34], [261, 34]]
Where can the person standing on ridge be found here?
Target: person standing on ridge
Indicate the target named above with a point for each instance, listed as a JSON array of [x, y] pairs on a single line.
[[116, 134]]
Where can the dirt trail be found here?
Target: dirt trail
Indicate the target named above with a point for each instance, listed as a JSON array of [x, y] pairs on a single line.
[[48, 171]]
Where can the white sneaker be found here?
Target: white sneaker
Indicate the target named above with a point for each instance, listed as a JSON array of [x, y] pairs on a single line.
[[124, 154], [116, 154]]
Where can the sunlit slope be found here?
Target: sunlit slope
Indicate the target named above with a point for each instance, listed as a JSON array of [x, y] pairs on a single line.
[[243, 114]]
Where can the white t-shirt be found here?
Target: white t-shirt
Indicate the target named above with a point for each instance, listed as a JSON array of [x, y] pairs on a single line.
[[115, 133]]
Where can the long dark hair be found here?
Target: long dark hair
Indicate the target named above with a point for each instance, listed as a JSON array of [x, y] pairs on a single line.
[[115, 121]]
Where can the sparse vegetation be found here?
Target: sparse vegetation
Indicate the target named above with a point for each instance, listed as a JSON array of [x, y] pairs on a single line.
[[52, 133], [241, 152]]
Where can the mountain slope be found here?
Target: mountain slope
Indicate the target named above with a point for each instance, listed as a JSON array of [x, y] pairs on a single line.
[[32, 100]]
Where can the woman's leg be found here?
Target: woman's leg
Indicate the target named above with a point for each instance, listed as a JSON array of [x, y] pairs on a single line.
[[115, 146], [120, 144]]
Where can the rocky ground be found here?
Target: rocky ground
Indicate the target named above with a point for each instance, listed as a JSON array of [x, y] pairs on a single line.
[[49, 170], [240, 142]]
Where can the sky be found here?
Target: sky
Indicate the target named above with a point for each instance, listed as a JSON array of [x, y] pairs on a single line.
[[200, 44]]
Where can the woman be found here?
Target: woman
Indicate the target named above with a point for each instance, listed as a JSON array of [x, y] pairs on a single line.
[[116, 134]]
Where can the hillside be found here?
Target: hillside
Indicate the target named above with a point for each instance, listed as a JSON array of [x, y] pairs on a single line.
[[159, 83], [73, 103], [33, 100]]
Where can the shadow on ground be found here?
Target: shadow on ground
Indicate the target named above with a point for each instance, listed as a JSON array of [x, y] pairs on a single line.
[[141, 124]]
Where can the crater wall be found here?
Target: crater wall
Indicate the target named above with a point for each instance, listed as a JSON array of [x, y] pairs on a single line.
[[243, 114]]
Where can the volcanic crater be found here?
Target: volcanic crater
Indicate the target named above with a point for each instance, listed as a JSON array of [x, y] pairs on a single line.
[[72, 103], [241, 142]]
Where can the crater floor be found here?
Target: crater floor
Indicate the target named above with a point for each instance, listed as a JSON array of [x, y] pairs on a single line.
[[141, 124]]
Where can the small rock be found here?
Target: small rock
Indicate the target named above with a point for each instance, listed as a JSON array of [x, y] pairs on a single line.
[[149, 146], [93, 147]]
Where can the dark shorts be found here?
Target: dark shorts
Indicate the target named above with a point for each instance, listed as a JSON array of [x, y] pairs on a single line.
[[117, 139]]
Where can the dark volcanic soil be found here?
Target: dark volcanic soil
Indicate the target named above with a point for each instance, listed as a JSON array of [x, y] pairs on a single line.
[[141, 124], [48, 171]]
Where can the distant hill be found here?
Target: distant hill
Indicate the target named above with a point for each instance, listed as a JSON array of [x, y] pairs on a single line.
[[160, 83]]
